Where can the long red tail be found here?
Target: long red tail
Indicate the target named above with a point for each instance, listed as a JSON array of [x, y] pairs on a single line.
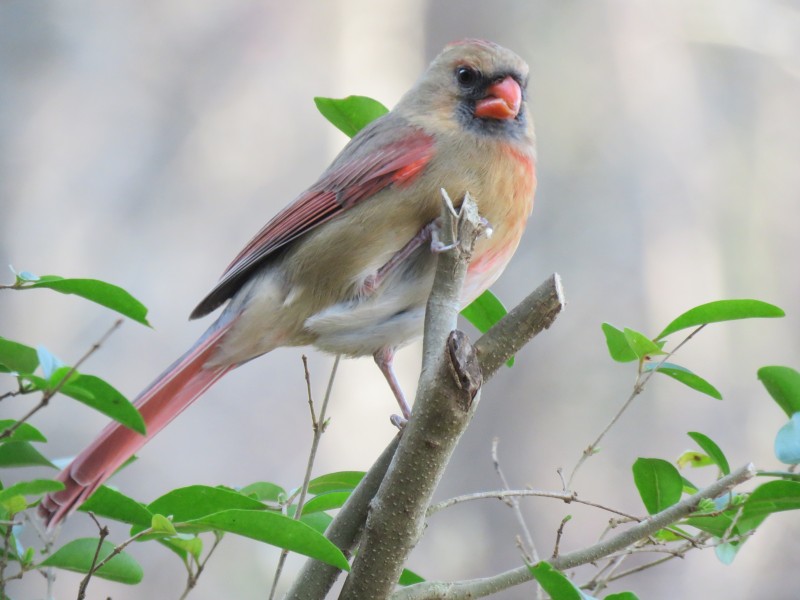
[[175, 389]]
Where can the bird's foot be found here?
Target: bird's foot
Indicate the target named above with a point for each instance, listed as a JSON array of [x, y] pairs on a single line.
[[398, 421]]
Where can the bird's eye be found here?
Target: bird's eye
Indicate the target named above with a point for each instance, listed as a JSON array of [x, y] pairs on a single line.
[[467, 76]]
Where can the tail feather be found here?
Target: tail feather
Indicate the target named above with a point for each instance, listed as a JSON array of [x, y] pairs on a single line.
[[174, 390]]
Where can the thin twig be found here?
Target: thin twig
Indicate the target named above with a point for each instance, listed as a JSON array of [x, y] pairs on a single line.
[[559, 533], [93, 568], [641, 380], [308, 392], [5, 551], [191, 581], [531, 555], [567, 497], [602, 582], [48, 394], [318, 425]]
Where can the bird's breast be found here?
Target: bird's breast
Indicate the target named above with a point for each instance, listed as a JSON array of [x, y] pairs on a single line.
[[506, 202]]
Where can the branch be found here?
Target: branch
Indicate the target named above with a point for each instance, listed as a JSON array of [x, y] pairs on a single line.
[[317, 578], [526, 320], [428, 438], [567, 497], [478, 588], [445, 399]]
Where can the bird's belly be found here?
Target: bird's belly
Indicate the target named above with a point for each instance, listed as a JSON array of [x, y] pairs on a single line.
[[365, 328]]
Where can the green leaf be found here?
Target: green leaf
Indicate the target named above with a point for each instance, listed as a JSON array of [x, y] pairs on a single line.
[[350, 114], [99, 292], [103, 397], [408, 577], [275, 529], [722, 310], [659, 483], [771, 497], [183, 545], [24, 433], [694, 459], [78, 555], [714, 452], [112, 504], [318, 521], [14, 504], [686, 377], [689, 487], [555, 583], [783, 384], [196, 501], [717, 525], [341, 481], [622, 596], [326, 501], [22, 454], [617, 343], [35, 487], [641, 345], [787, 442], [264, 491], [17, 357], [161, 524], [484, 312]]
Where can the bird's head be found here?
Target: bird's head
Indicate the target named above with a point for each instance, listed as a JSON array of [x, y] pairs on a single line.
[[476, 85]]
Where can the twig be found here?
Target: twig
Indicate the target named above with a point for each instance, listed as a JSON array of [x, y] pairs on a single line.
[[92, 569], [478, 588], [318, 426], [192, 578], [530, 553], [567, 497], [641, 380], [559, 533], [5, 551], [48, 394], [117, 550], [602, 582]]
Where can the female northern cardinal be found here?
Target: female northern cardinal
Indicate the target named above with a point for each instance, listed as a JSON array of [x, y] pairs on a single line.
[[345, 267]]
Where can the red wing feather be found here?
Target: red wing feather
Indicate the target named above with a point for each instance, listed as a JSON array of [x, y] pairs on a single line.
[[358, 173]]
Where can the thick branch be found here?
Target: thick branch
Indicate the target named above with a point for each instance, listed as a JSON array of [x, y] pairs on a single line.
[[478, 588], [441, 412], [531, 316], [317, 578]]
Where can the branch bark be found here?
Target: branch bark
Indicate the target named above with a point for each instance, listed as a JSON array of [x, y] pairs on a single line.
[[441, 413]]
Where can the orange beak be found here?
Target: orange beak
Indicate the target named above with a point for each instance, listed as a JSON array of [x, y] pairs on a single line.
[[502, 100]]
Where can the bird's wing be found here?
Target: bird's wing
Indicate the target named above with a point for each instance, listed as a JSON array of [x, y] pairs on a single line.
[[365, 167]]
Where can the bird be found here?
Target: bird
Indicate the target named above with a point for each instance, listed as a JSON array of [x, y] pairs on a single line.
[[347, 267]]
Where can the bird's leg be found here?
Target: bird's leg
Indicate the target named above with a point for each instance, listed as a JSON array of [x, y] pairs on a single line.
[[383, 358], [429, 233]]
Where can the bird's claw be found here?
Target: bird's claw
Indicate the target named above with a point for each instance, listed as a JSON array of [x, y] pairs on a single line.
[[398, 421]]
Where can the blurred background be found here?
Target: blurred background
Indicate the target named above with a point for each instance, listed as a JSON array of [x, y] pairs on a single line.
[[144, 142]]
